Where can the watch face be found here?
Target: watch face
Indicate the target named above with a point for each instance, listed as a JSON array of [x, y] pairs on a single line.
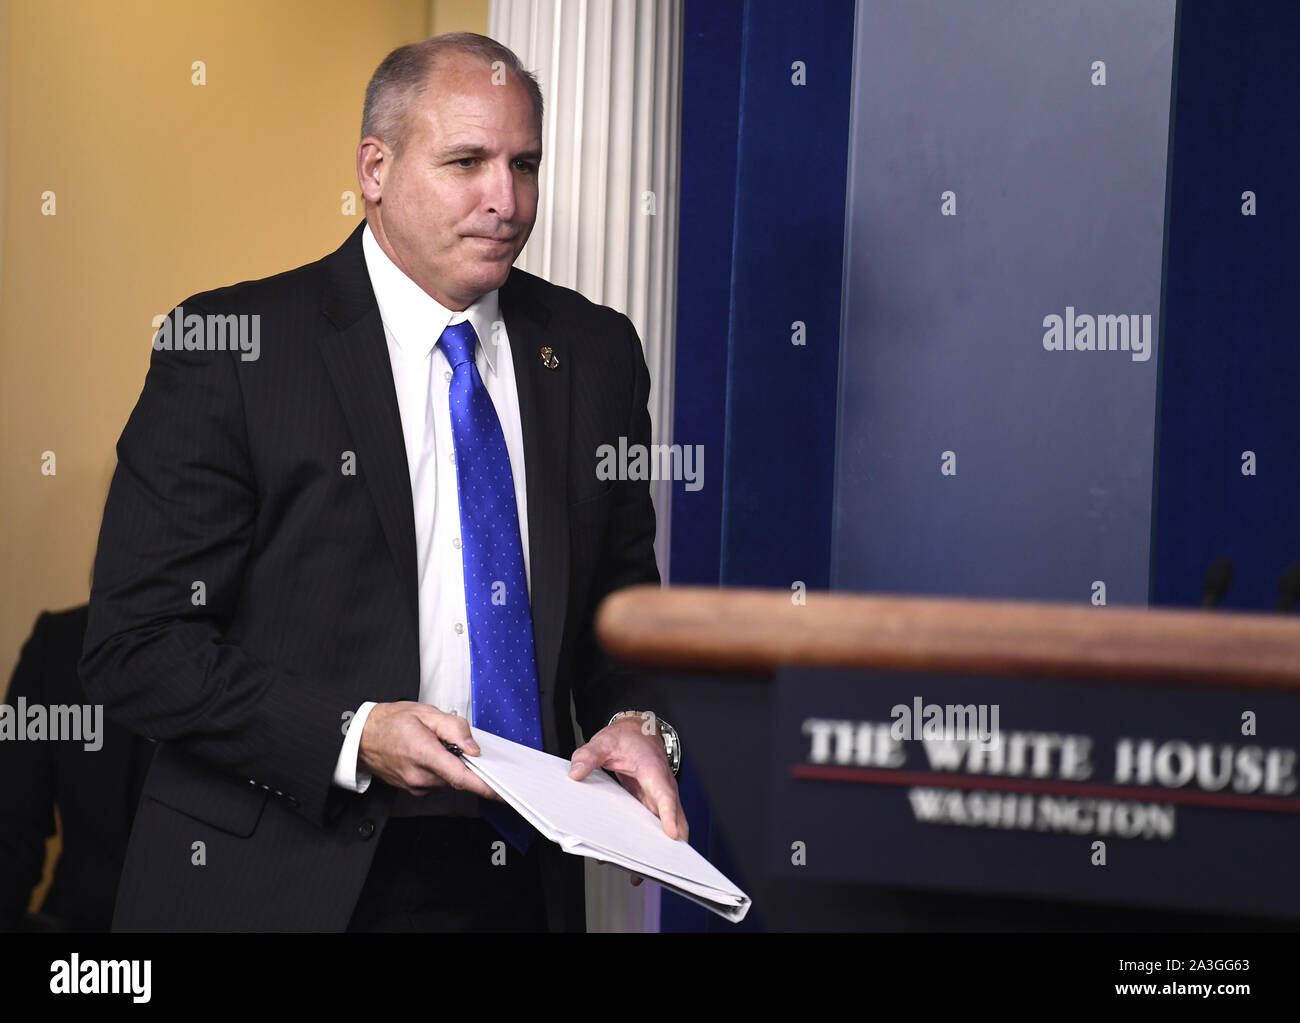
[[672, 746]]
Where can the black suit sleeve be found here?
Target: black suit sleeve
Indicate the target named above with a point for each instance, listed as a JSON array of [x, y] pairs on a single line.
[[602, 687], [178, 528], [26, 789]]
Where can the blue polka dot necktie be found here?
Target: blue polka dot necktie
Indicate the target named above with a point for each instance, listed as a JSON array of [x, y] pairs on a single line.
[[503, 668]]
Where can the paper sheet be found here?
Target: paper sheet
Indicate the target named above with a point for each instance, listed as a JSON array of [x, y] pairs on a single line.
[[597, 817]]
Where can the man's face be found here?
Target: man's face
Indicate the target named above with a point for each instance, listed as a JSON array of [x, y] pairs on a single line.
[[457, 202]]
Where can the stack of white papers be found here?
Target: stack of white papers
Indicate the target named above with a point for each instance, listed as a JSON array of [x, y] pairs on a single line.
[[597, 817]]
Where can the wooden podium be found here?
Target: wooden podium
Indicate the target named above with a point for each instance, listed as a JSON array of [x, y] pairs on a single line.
[[1143, 773]]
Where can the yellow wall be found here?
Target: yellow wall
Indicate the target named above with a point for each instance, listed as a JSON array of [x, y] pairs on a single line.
[[458, 16], [163, 188]]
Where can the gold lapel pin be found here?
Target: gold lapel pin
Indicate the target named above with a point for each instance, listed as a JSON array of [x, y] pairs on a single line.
[[549, 360]]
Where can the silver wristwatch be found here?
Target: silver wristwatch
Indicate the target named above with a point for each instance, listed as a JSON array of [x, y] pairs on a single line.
[[672, 744]]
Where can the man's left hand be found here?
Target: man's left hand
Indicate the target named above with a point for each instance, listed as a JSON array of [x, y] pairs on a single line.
[[632, 749]]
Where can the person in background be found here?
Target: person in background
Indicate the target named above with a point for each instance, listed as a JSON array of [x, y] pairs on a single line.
[[95, 791]]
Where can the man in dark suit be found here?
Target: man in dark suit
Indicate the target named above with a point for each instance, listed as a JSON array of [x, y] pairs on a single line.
[[282, 597], [95, 784]]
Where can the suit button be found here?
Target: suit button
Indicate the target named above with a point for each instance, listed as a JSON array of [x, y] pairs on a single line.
[[366, 829]]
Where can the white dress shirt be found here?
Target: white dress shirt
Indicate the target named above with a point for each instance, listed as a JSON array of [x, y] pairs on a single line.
[[413, 322]]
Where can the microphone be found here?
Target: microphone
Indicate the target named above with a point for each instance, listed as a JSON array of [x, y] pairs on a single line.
[[1288, 590], [1217, 581]]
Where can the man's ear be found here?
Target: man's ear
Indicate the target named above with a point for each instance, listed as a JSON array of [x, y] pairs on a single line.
[[373, 160]]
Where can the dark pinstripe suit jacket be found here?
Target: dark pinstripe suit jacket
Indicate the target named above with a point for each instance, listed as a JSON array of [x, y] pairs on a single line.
[[248, 592]]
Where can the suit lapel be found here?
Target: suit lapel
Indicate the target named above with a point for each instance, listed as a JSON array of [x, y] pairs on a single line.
[[544, 414], [357, 360]]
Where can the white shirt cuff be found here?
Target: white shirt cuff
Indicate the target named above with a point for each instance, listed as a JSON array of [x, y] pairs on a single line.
[[348, 773]]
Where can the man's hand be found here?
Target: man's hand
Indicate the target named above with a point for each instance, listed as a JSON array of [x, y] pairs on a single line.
[[632, 749], [402, 744]]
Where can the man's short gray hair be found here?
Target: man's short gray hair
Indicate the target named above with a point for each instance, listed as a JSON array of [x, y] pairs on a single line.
[[404, 75]]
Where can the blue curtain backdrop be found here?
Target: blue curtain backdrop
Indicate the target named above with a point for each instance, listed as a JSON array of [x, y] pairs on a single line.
[[826, 459]]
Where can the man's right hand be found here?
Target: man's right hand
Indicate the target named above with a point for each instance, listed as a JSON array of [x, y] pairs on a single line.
[[402, 744]]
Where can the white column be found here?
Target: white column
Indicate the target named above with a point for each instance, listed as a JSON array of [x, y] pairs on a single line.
[[607, 224], [610, 72]]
